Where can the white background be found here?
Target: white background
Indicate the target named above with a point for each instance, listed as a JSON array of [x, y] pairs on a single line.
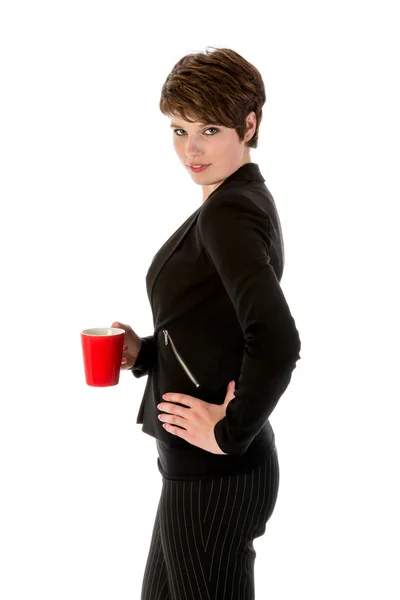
[[91, 188]]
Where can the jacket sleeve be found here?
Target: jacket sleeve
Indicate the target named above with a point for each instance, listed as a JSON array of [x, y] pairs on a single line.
[[235, 234], [145, 358]]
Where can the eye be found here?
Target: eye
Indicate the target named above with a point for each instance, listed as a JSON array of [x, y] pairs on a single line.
[[208, 128], [215, 128]]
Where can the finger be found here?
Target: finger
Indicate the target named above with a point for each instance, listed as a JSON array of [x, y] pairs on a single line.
[[184, 399], [230, 394]]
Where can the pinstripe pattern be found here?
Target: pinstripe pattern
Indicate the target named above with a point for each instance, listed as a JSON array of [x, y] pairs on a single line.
[[202, 542]]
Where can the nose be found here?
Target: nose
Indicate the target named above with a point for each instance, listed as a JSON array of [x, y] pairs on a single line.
[[192, 147]]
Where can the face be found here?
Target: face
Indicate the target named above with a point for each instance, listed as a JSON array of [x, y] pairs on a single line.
[[213, 145]]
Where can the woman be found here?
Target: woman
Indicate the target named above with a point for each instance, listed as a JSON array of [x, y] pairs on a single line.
[[224, 344]]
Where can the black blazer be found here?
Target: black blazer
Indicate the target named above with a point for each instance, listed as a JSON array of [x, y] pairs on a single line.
[[220, 314]]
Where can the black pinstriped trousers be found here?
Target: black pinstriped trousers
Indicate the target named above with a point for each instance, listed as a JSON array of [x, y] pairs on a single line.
[[202, 542]]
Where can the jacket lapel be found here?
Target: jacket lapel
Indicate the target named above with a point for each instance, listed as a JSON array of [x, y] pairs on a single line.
[[167, 249]]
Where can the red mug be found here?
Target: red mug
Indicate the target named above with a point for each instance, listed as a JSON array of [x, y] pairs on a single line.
[[102, 355]]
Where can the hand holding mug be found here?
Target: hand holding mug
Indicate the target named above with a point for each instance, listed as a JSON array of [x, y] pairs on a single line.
[[131, 347]]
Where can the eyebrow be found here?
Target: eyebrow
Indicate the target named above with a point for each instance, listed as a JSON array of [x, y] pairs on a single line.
[[175, 125]]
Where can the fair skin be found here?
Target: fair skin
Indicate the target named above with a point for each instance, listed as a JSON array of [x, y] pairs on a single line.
[[201, 143]]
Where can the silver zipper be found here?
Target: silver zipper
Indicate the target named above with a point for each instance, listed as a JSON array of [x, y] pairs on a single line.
[[175, 351]]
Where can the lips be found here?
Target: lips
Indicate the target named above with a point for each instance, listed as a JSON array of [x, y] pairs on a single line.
[[198, 169]]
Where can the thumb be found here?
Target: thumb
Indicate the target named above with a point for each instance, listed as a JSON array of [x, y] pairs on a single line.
[[230, 394]]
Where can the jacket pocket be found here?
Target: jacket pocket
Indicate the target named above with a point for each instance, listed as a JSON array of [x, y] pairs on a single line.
[[168, 341]]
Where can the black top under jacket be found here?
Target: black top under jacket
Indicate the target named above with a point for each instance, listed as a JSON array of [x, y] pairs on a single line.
[[220, 314]]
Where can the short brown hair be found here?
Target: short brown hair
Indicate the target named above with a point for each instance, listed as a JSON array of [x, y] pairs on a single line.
[[220, 87]]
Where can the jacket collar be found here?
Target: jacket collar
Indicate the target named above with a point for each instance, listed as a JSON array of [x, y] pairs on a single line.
[[247, 172]]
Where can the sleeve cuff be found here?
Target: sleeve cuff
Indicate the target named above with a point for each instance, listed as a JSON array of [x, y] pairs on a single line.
[[145, 357]]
